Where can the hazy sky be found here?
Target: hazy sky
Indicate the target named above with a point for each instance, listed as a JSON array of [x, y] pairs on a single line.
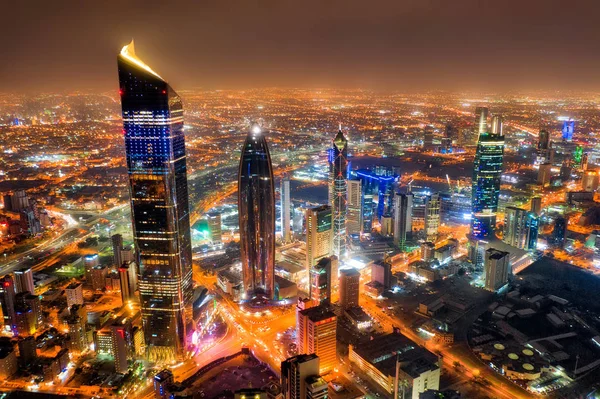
[[393, 44]]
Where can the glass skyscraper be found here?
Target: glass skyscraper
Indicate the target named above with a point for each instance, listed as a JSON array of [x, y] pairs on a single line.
[[338, 190], [256, 207], [156, 164], [487, 171]]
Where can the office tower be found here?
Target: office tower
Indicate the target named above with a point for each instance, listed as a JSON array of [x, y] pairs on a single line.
[[295, 371], [30, 301], [559, 234], [427, 251], [338, 165], [121, 343], [27, 350], [256, 206], [497, 127], [24, 280], [496, 269], [99, 277], [74, 292], [128, 282], [7, 296], [481, 117], [432, 216], [320, 281], [451, 132], [317, 328], [214, 227], [568, 130], [381, 272], [387, 225], [520, 228], [89, 262], [590, 180], [377, 188], [544, 153], [565, 171], [25, 320], [319, 234], [156, 163], [162, 380], [536, 205], [354, 221], [117, 246], [403, 206], [77, 333], [127, 255], [19, 201], [349, 288], [487, 170], [543, 140], [286, 210], [544, 174], [428, 137]]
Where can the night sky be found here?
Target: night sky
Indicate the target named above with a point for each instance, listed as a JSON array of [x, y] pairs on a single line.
[[393, 44]]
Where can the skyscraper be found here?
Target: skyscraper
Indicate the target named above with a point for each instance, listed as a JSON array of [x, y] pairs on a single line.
[[403, 204], [214, 227], [349, 288], [481, 117], [156, 163], [496, 269], [338, 165], [354, 221], [256, 206], [7, 296], [319, 234], [24, 280], [520, 228], [286, 211], [117, 247], [487, 170], [320, 281], [497, 124], [559, 233], [317, 327], [432, 216], [294, 373], [568, 130]]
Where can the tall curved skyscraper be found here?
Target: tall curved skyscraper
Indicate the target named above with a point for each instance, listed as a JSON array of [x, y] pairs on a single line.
[[156, 164], [256, 207], [338, 190]]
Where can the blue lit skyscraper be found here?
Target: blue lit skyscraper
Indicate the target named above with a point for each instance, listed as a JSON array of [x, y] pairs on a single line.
[[568, 130], [487, 171], [338, 190], [156, 164], [256, 207], [377, 186]]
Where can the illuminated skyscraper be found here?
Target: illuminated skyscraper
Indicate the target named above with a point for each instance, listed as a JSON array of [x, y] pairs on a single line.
[[320, 281], [317, 327], [568, 130], [497, 124], [156, 163], [520, 228], [286, 211], [496, 269], [24, 280], [338, 165], [481, 117], [487, 170], [354, 221], [256, 206], [319, 234], [403, 207], [432, 216]]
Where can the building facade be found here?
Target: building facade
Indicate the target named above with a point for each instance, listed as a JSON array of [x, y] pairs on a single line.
[[338, 165]]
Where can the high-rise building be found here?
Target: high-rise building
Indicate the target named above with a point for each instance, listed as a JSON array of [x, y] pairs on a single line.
[[214, 227], [544, 174], [568, 130], [122, 345], [256, 205], [320, 281], [7, 296], [487, 170], [74, 292], [99, 277], [428, 137], [349, 288], [559, 234], [590, 180], [544, 153], [317, 327], [316, 388], [403, 204], [520, 228], [497, 127], [481, 118], [27, 350], [338, 165], [156, 163], [536, 205], [432, 216], [543, 140], [319, 234], [427, 251], [354, 221], [381, 272], [496, 269], [295, 372], [286, 210], [24, 280], [377, 193], [117, 247], [128, 281]]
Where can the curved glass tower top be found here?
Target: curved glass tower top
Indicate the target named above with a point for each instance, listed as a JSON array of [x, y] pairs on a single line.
[[156, 165], [256, 207]]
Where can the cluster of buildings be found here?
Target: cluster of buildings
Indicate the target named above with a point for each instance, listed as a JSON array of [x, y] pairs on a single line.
[[32, 219]]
